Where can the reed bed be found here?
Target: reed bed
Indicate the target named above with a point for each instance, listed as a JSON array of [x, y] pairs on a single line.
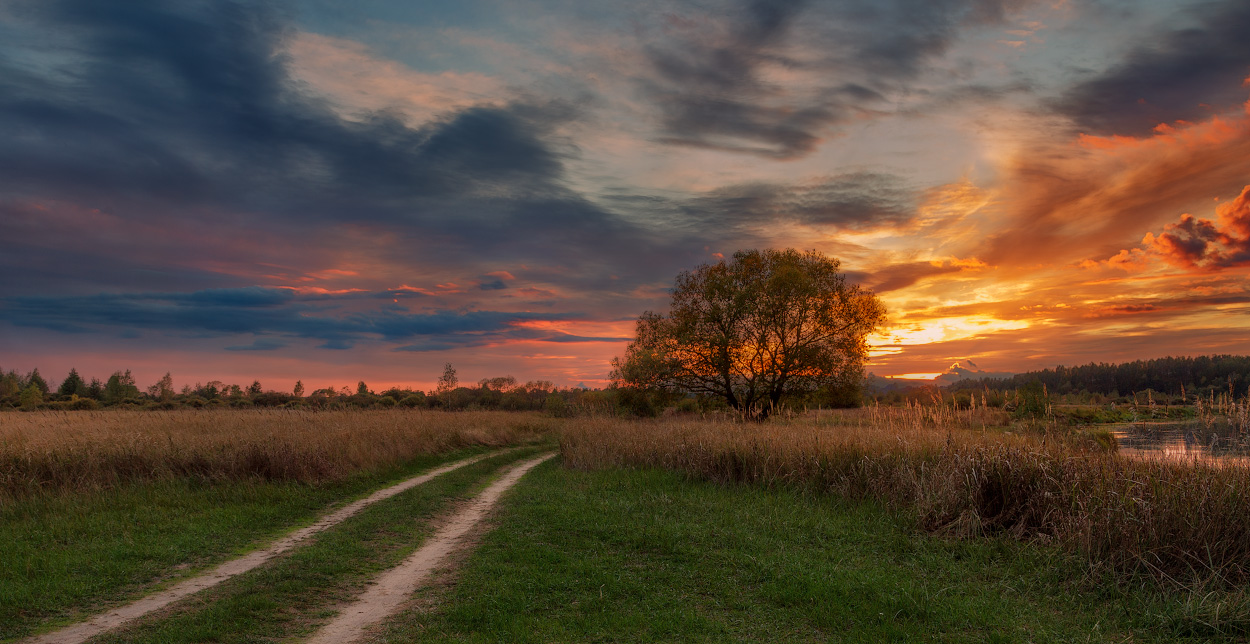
[[55, 452], [1181, 523]]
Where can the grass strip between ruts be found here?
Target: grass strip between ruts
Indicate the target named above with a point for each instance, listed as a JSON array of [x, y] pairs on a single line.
[[293, 594]]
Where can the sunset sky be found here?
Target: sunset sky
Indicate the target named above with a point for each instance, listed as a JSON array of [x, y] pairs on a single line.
[[337, 191]]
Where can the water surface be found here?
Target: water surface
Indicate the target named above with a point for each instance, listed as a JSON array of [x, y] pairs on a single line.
[[1186, 440]]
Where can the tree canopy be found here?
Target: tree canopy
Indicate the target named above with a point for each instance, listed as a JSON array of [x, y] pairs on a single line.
[[756, 330]]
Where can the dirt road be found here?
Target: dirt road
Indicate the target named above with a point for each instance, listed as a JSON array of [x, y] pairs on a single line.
[[81, 632], [394, 587]]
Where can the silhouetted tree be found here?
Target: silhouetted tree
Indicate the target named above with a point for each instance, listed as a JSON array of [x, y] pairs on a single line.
[[754, 331], [95, 390], [447, 384], [120, 386], [73, 385], [162, 389], [33, 378]]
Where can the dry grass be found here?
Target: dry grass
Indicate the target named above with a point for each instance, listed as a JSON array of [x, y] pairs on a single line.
[[56, 452], [1178, 522]]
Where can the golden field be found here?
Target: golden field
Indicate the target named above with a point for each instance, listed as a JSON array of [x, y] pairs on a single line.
[[50, 452]]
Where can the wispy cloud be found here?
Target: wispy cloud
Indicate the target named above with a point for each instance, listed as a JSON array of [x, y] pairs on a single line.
[[278, 315]]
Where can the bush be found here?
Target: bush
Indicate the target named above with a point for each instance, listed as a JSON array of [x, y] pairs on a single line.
[[413, 400], [688, 406], [556, 406], [386, 401], [638, 402], [31, 398], [84, 404]]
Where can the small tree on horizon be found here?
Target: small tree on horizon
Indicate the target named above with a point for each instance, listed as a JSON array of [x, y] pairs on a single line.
[[73, 385], [162, 389], [447, 384], [299, 389], [119, 387], [33, 378]]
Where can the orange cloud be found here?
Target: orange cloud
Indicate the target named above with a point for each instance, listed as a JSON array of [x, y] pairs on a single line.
[[1194, 243], [1066, 202], [317, 290]]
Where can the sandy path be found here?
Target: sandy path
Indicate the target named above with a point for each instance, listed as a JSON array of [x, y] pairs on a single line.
[[105, 621], [396, 586]]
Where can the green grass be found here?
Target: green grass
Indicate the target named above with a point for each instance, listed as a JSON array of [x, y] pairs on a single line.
[[292, 595], [647, 556], [70, 555]]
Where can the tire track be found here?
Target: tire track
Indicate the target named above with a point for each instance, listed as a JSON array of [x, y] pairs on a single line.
[[81, 632], [395, 587]]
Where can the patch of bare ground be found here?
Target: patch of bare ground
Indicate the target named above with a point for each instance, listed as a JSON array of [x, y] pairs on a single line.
[[432, 594]]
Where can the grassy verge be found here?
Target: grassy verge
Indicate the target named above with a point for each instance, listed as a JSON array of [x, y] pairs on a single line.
[[650, 556], [291, 596], [70, 555], [1178, 523]]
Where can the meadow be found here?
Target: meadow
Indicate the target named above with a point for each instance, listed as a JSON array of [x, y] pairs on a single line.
[[112, 504], [99, 507], [967, 474]]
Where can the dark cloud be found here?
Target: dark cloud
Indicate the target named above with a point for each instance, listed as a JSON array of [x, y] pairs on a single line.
[[1182, 74], [715, 91], [181, 121], [261, 344], [855, 201], [192, 103], [277, 315], [897, 276], [469, 341]]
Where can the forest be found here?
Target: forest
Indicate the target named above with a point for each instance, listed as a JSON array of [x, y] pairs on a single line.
[[1181, 377]]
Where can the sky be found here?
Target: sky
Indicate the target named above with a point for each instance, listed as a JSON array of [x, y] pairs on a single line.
[[334, 192]]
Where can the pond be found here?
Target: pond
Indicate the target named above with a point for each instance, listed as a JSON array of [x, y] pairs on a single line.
[[1189, 440]]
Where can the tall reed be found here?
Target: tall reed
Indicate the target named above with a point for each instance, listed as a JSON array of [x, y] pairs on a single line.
[[75, 451], [1183, 522]]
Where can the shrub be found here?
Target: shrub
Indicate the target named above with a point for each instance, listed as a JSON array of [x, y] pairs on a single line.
[[556, 406], [84, 404], [413, 400]]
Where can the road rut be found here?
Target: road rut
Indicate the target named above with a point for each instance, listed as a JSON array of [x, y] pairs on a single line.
[[396, 586], [81, 632]]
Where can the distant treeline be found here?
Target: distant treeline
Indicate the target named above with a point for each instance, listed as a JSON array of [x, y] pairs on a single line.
[[1202, 375], [32, 391]]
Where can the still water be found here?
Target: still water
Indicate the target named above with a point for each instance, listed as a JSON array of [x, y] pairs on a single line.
[[1188, 441]]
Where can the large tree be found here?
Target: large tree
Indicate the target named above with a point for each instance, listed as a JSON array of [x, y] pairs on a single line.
[[755, 331]]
